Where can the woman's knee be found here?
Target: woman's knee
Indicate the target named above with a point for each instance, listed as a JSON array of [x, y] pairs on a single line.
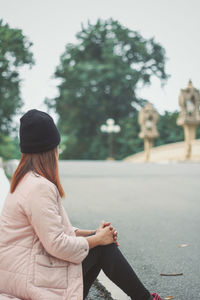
[[109, 248]]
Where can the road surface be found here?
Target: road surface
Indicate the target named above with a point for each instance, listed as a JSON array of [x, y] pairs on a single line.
[[156, 210]]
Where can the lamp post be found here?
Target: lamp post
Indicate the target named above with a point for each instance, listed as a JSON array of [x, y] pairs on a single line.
[[110, 128]]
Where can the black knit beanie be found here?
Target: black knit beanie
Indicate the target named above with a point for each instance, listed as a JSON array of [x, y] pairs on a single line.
[[38, 132]]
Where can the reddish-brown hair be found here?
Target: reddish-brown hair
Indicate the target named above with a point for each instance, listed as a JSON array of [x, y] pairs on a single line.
[[44, 164]]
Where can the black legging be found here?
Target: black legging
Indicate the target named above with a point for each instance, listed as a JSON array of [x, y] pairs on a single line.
[[115, 266]]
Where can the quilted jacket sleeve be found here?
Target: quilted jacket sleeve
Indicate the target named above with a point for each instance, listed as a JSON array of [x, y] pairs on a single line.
[[75, 228], [47, 223]]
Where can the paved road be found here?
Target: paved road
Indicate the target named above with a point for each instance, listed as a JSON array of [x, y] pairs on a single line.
[[155, 208]]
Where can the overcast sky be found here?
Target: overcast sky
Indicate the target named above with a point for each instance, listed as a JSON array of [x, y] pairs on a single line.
[[50, 25]]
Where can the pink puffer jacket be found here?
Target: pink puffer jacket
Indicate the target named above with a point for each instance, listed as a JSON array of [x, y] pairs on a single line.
[[40, 256]]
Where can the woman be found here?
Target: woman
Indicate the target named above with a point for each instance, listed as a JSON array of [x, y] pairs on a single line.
[[42, 256]]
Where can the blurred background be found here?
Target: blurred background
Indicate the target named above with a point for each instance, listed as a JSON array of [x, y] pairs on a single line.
[[88, 61], [121, 80]]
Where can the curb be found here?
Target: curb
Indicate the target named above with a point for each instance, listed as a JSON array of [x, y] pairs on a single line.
[[98, 292], [115, 292]]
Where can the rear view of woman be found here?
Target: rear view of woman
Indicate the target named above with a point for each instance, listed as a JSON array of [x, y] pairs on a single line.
[[42, 256]]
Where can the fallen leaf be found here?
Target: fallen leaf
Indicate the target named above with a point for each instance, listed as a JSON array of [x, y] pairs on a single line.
[[183, 245], [171, 274], [169, 297]]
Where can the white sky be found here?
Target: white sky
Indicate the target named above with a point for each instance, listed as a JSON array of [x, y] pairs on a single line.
[[50, 25]]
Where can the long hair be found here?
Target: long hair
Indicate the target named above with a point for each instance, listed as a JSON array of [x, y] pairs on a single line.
[[44, 164]]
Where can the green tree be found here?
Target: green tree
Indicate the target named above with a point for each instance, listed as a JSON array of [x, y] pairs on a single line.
[[14, 54], [169, 131], [9, 147], [128, 141], [99, 77]]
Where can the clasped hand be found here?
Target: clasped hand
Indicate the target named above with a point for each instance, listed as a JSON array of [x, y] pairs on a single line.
[[108, 233]]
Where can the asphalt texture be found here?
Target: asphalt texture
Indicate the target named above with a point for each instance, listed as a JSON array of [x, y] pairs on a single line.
[[156, 211], [98, 292]]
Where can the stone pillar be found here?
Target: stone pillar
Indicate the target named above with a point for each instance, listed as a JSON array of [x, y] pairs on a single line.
[[189, 116], [148, 118]]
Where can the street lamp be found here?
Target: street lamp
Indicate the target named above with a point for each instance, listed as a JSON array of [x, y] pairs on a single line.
[[110, 127]]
